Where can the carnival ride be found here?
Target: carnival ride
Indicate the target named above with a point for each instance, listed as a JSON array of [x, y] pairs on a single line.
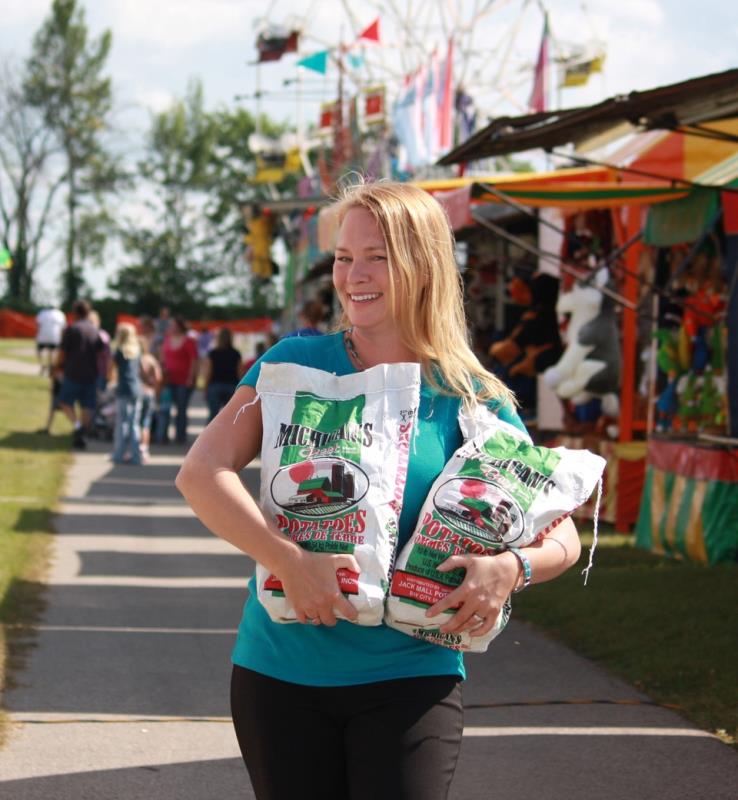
[[333, 50]]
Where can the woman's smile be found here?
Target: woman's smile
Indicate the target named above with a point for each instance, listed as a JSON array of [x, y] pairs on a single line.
[[361, 273]]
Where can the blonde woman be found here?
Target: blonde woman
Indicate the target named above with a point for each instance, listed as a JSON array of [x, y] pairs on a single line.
[[328, 709], [127, 363]]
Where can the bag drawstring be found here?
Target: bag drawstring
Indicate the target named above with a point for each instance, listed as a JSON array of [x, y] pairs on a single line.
[[595, 520], [244, 407]]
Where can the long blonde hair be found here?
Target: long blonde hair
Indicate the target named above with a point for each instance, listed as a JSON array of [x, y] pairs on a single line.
[[126, 340], [426, 295]]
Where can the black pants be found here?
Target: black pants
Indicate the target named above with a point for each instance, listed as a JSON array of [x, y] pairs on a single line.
[[395, 740]]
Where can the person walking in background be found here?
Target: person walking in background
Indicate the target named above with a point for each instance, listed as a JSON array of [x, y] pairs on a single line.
[[179, 364], [309, 320], [127, 362], [384, 708], [77, 357], [259, 350], [161, 327], [204, 344], [50, 323], [104, 356], [151, 377], [222, 372], [55, 377], [147, 334]]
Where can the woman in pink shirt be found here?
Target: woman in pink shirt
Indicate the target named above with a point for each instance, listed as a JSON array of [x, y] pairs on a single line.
[[179, 363]]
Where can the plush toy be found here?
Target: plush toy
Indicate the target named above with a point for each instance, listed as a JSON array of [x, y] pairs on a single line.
[[667, 354], [710, 403], [688, 412], [590, 365], [717, 349], [535, 342], [667, 406], [702, 309]]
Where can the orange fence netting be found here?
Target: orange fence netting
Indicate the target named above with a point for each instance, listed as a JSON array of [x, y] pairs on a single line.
[[15, 325]]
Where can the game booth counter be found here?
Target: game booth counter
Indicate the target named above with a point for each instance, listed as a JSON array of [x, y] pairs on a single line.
[[669, 292]]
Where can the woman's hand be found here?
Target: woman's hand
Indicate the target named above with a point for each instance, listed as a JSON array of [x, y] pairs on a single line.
[[488, 582], [311, 585]]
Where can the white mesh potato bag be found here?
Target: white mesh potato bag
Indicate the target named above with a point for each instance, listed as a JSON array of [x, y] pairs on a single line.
[[497, 490], [333, 468]]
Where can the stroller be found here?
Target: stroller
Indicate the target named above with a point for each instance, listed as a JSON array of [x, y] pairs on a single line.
[[102, 424]]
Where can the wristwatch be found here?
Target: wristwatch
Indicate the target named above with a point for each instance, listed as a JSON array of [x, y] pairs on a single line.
[[525, 564]]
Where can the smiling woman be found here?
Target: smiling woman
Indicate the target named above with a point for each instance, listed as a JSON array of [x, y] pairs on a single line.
[[361, 275], [385, 707]]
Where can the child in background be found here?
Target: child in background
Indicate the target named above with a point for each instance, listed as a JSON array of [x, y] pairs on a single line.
[[151, 377], [56, 374], [127, 362]]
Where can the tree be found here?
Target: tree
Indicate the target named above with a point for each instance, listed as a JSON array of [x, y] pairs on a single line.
[[170, 249], [27, 193], [197, 169], [64, 81]]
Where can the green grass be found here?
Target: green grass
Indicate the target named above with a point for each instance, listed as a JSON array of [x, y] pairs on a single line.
[[19, 350], [668, 627], [32, 468]]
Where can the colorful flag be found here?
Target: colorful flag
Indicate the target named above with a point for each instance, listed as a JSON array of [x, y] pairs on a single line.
[[576, 73], [318, 62], [430, 115], [466, 116], [407, 122], [446, 101], [539, 94], [371, 33], [273, 43], [356, 60], [6, 262], [374, 106], [325, 126]]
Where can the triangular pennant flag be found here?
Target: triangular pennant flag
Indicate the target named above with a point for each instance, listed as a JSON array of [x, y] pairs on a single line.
[[355, 59], [272, 44], [539, 94], [371, 33], [318, 62]]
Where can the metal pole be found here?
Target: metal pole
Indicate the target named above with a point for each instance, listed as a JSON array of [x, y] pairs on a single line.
[[566, 268]]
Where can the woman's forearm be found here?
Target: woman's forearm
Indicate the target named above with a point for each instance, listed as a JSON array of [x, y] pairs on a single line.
[[555, 553], [227, 509]]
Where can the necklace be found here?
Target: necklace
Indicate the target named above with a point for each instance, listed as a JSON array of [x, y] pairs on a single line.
[[351, 347]]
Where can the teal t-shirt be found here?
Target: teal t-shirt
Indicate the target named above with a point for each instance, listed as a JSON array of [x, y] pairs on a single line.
[[352, 654]]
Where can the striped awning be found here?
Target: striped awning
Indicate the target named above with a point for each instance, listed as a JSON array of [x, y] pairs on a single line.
[[577, 196]]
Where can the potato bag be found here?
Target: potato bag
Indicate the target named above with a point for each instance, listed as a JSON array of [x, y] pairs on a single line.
[[498, 490], [333, 468]]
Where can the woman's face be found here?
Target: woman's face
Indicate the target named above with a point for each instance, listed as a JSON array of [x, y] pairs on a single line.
[[360, 271]]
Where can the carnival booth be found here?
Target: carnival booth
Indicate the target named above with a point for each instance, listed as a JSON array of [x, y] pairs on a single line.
[[657, 238]]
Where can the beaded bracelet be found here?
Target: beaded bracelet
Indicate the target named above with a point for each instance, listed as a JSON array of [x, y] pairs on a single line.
[[525, 564]]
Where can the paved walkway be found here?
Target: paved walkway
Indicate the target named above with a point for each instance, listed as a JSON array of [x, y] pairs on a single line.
[[125, 693], [18, 367]]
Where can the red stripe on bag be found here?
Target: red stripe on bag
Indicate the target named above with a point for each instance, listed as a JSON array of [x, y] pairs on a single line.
[[414, 587], [348, 581]]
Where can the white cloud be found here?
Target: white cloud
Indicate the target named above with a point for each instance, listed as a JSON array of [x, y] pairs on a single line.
[[154, 99], [180, 23], [27, 12], [635, 12]]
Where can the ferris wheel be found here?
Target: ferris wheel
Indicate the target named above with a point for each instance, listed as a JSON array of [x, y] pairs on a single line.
[[495, 47], [496, 43]]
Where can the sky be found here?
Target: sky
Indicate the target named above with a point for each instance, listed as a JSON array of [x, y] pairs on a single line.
[[160, 45]]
